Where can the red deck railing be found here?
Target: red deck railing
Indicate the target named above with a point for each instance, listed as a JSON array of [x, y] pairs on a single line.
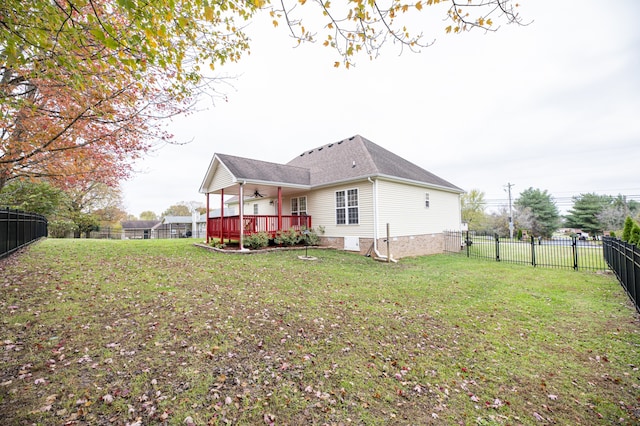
[[229, 227]]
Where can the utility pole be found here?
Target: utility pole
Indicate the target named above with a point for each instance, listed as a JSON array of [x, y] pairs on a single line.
[[509, 185]]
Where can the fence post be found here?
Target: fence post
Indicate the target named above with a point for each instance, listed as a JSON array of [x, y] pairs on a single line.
[[466, 243], [636, 273], [574, 246], [533, 251], [631, 269], [497, 248]]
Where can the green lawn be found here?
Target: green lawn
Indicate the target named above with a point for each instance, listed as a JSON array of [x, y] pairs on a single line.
[[161, 332], [556, 253]]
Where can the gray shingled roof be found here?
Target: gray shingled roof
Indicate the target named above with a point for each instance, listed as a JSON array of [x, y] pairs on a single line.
[[139, 224], [357, 157], [256, 170]]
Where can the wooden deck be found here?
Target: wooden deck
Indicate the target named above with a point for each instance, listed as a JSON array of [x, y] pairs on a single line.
[[228, 228]]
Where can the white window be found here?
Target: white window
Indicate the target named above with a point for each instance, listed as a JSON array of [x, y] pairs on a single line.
[[347, 207], [255, 208], [299, 206], [426, 201]]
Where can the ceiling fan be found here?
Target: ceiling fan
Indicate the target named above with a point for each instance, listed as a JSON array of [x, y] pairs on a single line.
[[256, 194]]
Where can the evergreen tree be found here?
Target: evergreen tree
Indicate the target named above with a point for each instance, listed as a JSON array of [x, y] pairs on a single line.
[[635, 234], [587, 212], [545, 217], [628, 226]]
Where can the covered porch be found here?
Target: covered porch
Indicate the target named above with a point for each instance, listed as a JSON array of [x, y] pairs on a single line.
[[259, 183], [228, 228]]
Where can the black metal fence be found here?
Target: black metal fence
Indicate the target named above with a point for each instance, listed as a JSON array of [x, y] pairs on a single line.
[[624, 259], [558, 252], [18, 228]]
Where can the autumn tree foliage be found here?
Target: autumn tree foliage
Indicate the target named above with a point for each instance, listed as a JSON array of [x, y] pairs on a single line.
[[85, 84]]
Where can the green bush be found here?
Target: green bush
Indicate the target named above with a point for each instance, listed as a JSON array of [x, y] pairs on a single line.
[[612, 234], [217, 244], [635, 235], [256, 241], [61, 228], [311, 238], [288, 238], [628, 226]]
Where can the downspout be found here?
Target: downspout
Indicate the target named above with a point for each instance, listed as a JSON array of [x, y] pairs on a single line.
[[375, 215], [375, 221]]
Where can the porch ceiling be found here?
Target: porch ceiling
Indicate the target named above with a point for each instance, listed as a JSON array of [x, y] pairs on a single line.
[[266, 190]]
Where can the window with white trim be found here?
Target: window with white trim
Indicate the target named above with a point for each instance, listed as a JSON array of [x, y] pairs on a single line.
[[426, 201], [347, 212], [299, 206], [255, 208]]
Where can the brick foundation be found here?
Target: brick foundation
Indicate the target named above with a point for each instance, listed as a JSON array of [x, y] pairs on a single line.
[[415, 245]]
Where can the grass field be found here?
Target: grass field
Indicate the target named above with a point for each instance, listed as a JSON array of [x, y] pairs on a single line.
[[557, 253], [162, 332]]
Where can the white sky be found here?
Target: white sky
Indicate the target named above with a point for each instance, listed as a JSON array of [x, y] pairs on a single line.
[[554, 105]]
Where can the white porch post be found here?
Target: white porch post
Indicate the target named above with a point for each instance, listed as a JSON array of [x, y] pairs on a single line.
[[206, 221], [241, 216]]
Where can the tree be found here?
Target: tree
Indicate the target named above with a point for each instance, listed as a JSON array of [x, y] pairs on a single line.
[[88, 203], [148, 215], [635, 235], [585, 212], [612, 217], [33, 196], [545, 217], [628, 227], [472, 205], [179, 209], [92, 80]]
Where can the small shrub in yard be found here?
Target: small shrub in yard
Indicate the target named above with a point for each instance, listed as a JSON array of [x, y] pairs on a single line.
[[217, 244], [311, 238], [256, 241], [287, 238]]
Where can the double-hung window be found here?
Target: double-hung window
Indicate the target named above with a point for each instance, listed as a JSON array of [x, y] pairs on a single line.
[[347, 207], [299, 206]]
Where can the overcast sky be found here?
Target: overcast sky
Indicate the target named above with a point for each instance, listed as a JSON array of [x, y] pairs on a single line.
[[554, 105]]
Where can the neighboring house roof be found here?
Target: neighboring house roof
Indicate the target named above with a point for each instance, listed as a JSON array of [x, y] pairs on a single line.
[[358, 157], [177, 219], [140, 224], [350, 159]]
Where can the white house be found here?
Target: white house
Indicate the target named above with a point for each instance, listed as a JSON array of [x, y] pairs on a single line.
[[350, 192]]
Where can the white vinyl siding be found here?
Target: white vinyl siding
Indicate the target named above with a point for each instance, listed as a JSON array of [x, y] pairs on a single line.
[[404, 208], [221, 179], [322, 205]]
